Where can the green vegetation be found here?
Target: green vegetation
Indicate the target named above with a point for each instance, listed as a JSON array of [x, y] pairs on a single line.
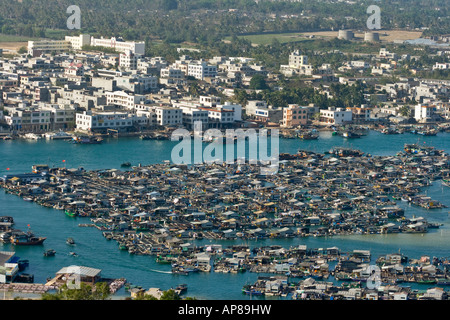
[[86, 292], [208, 21], [297, 93], [99, 49]]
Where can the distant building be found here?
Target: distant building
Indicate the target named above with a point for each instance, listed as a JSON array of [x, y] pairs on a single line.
[[336, 116], [295, 115], [102, 121], [424, 112]]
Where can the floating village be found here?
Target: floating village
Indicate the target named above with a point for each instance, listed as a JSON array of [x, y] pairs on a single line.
[[160, 210]]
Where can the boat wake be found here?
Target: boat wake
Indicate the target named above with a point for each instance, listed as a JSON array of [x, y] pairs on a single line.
[[159, 271]]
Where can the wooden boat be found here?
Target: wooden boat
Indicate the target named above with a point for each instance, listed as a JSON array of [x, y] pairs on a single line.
[[27, 239], [49, 253]]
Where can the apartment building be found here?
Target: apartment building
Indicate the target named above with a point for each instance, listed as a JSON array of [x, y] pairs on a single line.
[[424, 112], [335, 116], [219, 118], [295, 115], [89, 121], [77, 42], [36, 48], [192, 114], [201, 70], [137, 48], [123, 99], [298, 65], [168, 116]]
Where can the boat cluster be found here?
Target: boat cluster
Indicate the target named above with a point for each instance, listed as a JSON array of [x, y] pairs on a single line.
[[324, 274], [312, 195]]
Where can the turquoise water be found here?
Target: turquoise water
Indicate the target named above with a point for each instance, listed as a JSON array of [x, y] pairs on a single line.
[[97, 252]]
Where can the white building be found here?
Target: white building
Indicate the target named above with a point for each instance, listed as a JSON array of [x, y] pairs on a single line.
[[77, 42], [298, 64], [119, 45], [102, 121], [123, 99], [168, 116], [36, 48], [128, 60], [171, 73], [424, 112], [219, 117], [193, 114], [336, 116], [236, 108], [201, 70]]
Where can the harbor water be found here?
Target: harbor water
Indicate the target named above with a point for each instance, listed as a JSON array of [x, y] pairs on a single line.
[[94, 250]]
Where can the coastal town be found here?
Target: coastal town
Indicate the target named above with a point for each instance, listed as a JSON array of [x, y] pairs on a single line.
[[57, 87], [87, 90]]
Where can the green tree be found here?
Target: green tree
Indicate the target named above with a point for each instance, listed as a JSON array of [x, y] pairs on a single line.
[[100, 291], [258, 82]]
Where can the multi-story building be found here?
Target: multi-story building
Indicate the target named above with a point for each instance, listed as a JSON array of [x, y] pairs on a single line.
[[192, 114], [128, 60], [360, 114], [219, 117], [298, 64], [123, 99], [168, 116], [29, 120], [89, 121], [236, 108], [295, 115], [424, 112], [36, 48], [201, 70], [335, 116], [137, 48], [77, 42]]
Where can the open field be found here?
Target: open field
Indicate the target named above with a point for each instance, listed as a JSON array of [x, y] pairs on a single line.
[[12, 46], [385, 35]]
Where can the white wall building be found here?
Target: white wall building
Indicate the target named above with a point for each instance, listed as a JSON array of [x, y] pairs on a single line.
[[201, 70], [101, 121], [336, 116], [137, 48], [123, 99]]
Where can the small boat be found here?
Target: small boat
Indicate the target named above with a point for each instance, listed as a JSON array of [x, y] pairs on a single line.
[[32, 136], [87, 140], [70, 213], [70, 241], [126, 165], [49, 253], [351, 134], [145, 137], [73, 254], [61, 135], [181, 288]]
